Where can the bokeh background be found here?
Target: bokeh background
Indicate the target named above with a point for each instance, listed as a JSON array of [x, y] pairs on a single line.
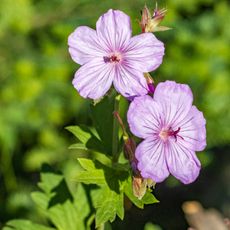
[[37, 99]]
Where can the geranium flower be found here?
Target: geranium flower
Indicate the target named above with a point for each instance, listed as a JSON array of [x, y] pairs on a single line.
[[110, 55], [172, 129]]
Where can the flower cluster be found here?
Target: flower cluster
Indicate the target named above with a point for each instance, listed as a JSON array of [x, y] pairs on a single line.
[[171, 127]]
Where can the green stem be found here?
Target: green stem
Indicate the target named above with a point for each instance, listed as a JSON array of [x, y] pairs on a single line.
[[115, 131], [101, 227]]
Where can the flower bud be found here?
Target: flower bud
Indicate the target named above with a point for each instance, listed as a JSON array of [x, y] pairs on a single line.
[[150, 83], [139, 186], [150, 23]]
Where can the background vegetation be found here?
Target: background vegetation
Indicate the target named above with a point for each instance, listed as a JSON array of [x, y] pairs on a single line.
[[37, 99]]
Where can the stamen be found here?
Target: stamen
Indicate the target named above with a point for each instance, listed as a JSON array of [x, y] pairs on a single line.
[[106, 59], [164, 134], [175, 133], [114, 58]]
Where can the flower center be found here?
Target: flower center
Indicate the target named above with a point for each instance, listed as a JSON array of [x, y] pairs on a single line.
[[166, 133], [113, 58]]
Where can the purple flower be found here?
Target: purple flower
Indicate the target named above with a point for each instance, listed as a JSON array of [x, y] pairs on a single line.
[[172, 129], [110, 55]]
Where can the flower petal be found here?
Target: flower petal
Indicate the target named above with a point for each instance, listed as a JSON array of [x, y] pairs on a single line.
[[93, 79], [144, 116], [114, 29], [151, 159], [176, 100], [130, 82], [144, 52], [84, 45], [182, 163], [193, 131]]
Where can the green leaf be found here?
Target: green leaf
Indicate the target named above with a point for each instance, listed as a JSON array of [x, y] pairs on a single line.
[[78, 146], [86, 137], [40, 199], [108, 198], [88, 154], [149, 198], [86, 164], [58, 203], [80, 133], [98, 173], [24, 225], [108, 205], [91, 177], [81, 203], [102, 114]]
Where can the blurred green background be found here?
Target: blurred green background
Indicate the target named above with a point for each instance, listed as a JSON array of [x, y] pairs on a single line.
[[37, 99]]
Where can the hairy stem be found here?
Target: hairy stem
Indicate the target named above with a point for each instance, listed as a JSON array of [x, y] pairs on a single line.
[[115, 131]]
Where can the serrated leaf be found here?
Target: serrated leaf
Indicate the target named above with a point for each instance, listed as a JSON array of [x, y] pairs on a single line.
[[81, 134], [86, 137], [40, 199], [49, 179], [108, 205], [86, 164], [59, 205], [91, 177], [24, 225], [98, 173]]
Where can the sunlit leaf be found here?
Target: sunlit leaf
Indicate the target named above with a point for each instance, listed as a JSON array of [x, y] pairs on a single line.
[[109, 204]]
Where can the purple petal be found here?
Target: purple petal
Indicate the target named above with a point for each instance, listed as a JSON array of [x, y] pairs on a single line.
[[130, 82], [151, 159], [84, 45], [193, 130], [94, 79], [175, 99], [144, 52], [144, 116], [114, 29], [182, 163]]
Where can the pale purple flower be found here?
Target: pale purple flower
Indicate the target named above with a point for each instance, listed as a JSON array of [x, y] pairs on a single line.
[[110, 55], [172, 129]]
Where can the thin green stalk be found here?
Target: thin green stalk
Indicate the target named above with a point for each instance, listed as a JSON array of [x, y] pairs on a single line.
[[115, 131]]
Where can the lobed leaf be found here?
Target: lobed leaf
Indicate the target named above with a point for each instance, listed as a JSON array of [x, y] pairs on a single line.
[[108, 205], [88, 138], [65, 210]]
